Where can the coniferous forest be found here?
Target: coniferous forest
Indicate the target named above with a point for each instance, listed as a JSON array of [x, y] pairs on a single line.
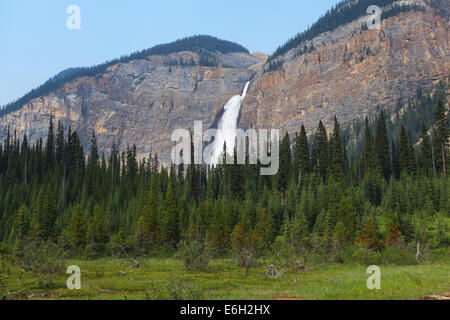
[[347, 199], [386, 200]]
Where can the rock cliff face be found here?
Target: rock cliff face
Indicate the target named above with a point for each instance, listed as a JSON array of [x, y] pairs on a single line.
[[141, 102], [350, 73]]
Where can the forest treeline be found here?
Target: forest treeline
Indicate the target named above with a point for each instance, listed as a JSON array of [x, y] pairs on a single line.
[[412, 113], [204, 46], [389, 194]]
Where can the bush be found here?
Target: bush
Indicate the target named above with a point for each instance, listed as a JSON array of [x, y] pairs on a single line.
[[342, 254], [119, 244], [398, 255], [366, 256], [4, 292], [440, 255], [175, 289], [180, 289], [194, 255], [44, 259]]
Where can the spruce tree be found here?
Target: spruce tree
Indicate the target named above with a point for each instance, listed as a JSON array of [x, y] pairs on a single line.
[[320, 150], [412, 155], [369, 158], [241, 241], [77, 228], [393, 235], [263, 234], [340, 235], [21, 223], [285, 164], [300, 232], [93, 167], [425, 161], [441, 137], [406, 228], [347, 216], [382, 147], [93, 157], [170, 216], [147, 229], [406, 158], [60, 145], [97, 236], [132, 165], [50, 146], [337, 152], [328, 234], [43, 219], [220, 228], [368, 236], [302, 161], [395, 161], [236, 179]]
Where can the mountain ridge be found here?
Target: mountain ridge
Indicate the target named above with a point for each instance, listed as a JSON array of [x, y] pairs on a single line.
[[350, 72], [202, 44]]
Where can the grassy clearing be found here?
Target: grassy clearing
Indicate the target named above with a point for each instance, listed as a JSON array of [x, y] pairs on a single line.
[[167, 279]]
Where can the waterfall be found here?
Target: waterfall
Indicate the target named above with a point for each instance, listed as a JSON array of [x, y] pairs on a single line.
[[227, 126]]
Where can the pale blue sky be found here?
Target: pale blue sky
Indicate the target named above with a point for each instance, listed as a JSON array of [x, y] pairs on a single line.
[[35, 43]]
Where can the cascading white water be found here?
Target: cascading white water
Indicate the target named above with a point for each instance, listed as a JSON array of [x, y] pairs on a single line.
[[227, 126]]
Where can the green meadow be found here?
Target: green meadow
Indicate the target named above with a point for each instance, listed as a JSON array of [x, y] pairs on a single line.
[[167, 279]]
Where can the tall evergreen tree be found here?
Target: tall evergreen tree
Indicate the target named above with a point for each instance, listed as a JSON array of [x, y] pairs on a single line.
[[406, 153], [97, 236], [50, 146], [241, 241], [336, 151], [302, 161], [369, 158], [170, 219], [300, 232], [77, 229], [43, 219], [382, 147], [285, 163], [60, 145], [132, 165], [425, 154], [147, 229], [320, 150], [368, 236], [441, 137], [263, 234], [347, 216], [21, 223]]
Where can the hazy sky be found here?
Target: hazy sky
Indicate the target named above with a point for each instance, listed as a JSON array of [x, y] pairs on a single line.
[[36, 44]]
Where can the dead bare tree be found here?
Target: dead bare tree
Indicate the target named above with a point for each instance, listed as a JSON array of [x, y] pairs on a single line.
[[418, 252]]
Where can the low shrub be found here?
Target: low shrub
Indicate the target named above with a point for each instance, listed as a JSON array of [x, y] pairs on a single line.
[[398, 255], [194, 255], [44, 259], [180, 289], [175, 289], [366, 256]]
